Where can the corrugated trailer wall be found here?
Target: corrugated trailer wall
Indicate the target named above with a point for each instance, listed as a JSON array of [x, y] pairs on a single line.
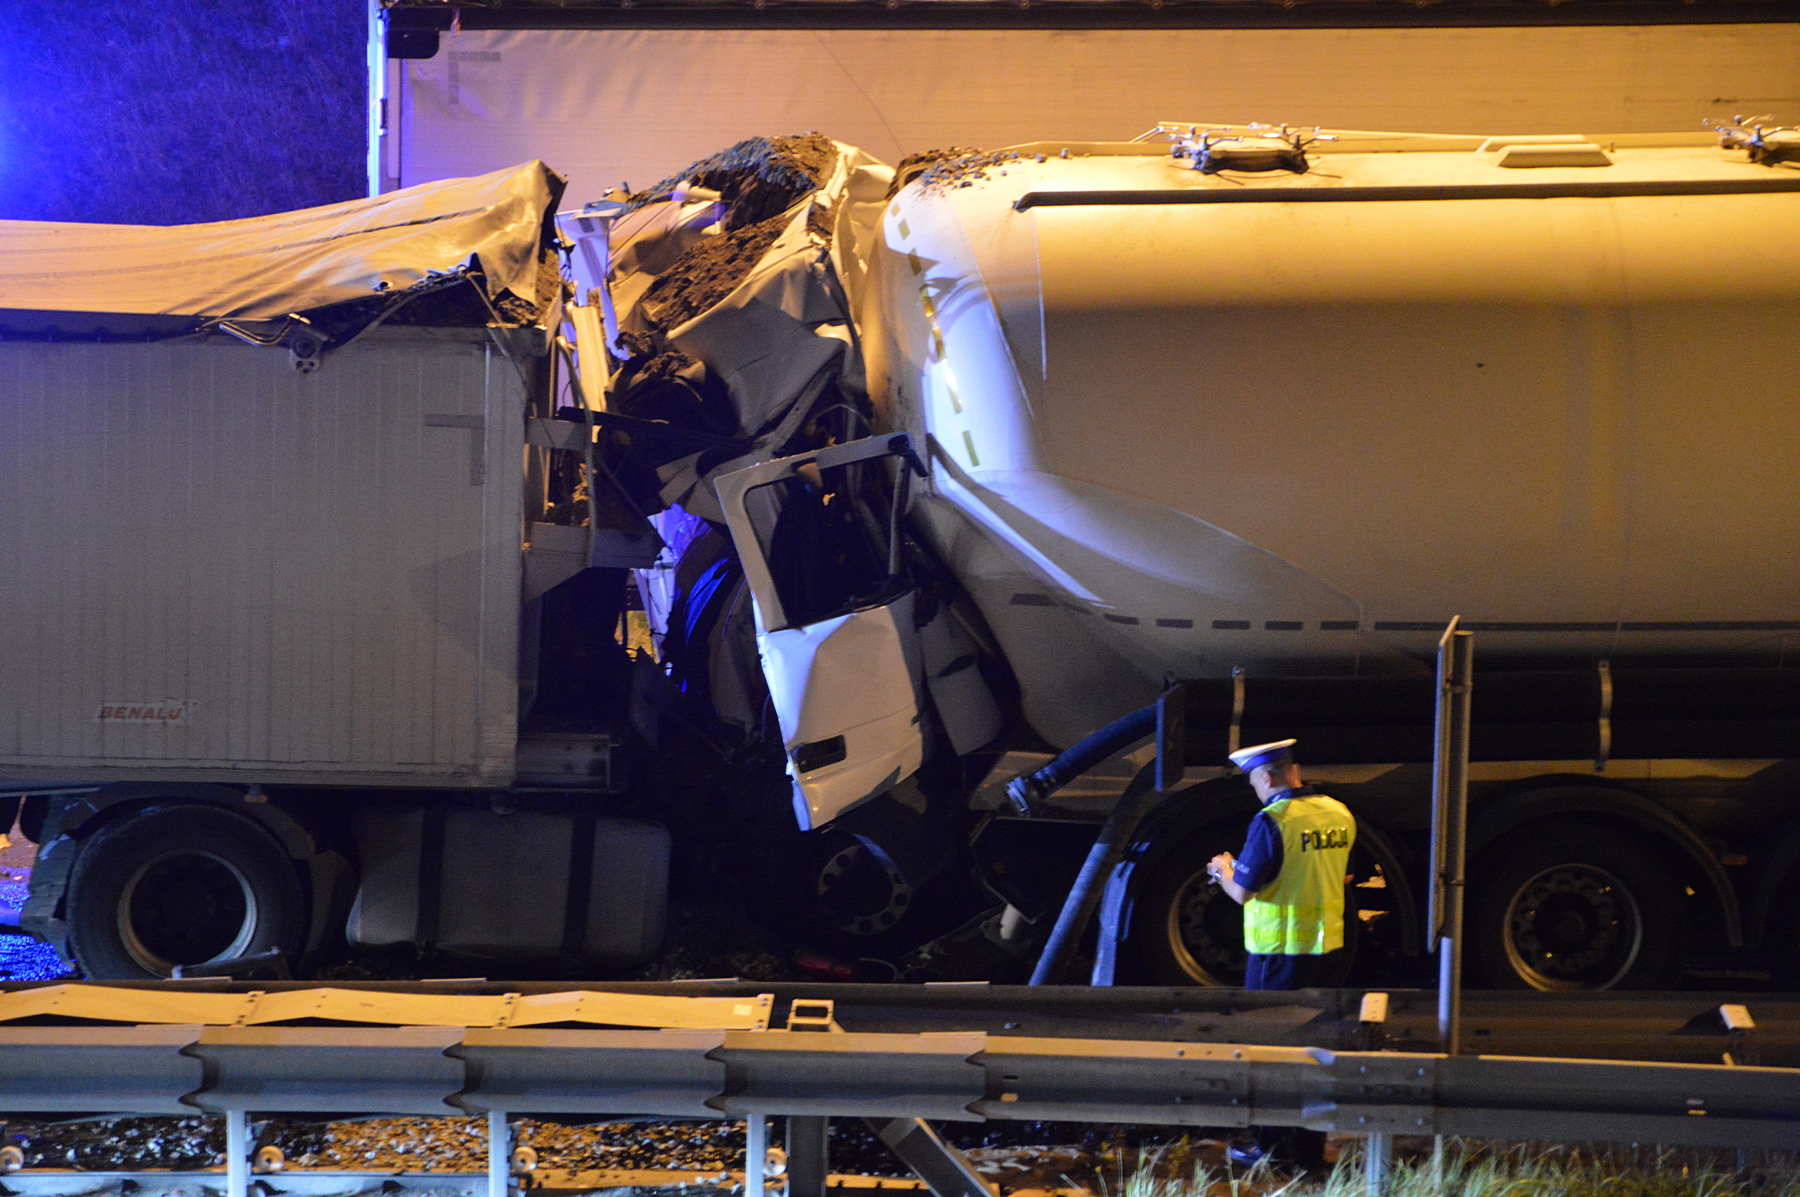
[[213, 566]]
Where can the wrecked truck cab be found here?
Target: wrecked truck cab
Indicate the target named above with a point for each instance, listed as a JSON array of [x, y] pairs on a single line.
[[761, 305]]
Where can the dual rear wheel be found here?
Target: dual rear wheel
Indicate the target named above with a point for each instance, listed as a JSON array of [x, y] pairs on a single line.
[[1563, 908], [1575, 907]]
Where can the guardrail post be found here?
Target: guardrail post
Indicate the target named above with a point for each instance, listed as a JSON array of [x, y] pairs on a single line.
[[756, 1154], [1378, 1155], [237, 1153], [499, 1148], [808, 1155]]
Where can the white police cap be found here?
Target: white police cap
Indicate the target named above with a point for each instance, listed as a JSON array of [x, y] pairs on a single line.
[[1263, 754]]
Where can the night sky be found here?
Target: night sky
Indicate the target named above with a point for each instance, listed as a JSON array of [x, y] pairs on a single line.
[[132, 112]]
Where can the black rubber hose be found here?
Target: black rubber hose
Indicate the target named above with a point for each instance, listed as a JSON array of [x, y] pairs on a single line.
[[1102, 858], [1030, 788]]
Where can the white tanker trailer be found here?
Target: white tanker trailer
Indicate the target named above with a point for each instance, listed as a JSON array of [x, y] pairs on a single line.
[[949, 467], [1185, 421], [1272, 406]]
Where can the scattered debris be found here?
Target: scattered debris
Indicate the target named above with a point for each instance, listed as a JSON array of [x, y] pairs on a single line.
[[914, 165], [759, 181], [968, 169], [120, 1144]]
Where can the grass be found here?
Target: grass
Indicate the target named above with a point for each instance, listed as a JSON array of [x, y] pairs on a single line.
[[1175, 1170], [1476, 1168]]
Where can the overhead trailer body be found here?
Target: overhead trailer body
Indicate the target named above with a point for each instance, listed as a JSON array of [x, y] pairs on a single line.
[[628, 105]]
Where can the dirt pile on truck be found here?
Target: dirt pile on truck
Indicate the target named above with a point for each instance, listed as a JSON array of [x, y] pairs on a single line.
[[758, 181], [758, 177]]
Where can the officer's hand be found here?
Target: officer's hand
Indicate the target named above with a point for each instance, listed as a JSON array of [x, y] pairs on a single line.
[[1219, 866]]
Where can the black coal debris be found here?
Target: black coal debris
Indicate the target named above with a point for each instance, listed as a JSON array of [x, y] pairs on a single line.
[[914, 165], [758, 178]]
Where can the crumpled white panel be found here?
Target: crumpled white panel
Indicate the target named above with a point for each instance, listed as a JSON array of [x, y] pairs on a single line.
[[851, 676], [269, 266]]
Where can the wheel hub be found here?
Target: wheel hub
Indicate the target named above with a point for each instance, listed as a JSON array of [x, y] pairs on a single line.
[[186, 907], [862, 894], [1573, 926]]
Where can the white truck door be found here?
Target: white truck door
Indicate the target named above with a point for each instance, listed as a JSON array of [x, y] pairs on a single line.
[[834, 616]]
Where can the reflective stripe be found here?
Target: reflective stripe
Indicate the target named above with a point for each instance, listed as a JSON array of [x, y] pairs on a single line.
[[1301, 912]]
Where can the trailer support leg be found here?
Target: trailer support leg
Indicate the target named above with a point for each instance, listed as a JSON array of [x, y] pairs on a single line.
[[1378, 1155], [756, 1154], [943, 1168], [237, 1153], [499, 1146], [808, 1154]]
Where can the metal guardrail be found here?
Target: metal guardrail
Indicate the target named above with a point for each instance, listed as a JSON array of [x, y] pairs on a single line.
[[1163, 1057], [390, 1007], [958, 1076]]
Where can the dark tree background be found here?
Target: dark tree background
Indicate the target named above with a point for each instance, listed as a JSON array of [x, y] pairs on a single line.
[[140, 112]]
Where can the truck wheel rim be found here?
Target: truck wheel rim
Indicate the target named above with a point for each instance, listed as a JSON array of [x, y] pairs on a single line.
[[862, 894], [1573, 926], [1195, 948], [186, 907]]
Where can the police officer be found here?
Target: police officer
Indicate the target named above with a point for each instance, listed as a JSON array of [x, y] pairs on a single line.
[[1290, 876], [1290, 880]]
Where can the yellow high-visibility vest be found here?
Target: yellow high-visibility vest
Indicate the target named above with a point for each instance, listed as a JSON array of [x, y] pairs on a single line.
[[1301, 912]]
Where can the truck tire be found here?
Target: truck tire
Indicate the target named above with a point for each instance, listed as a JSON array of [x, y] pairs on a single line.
[[1185, 930], [177, 885], [1573, 907], [828, 892]]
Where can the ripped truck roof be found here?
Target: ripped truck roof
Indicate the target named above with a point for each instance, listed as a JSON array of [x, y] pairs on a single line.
[[492, 230]]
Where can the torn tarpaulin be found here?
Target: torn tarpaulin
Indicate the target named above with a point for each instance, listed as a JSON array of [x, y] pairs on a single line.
[[343, 266]]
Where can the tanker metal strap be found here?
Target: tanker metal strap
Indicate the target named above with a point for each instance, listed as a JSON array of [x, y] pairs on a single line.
[[1346, 195]]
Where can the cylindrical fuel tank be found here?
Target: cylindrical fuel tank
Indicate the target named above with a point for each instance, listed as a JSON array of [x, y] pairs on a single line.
[[1182, 422]]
